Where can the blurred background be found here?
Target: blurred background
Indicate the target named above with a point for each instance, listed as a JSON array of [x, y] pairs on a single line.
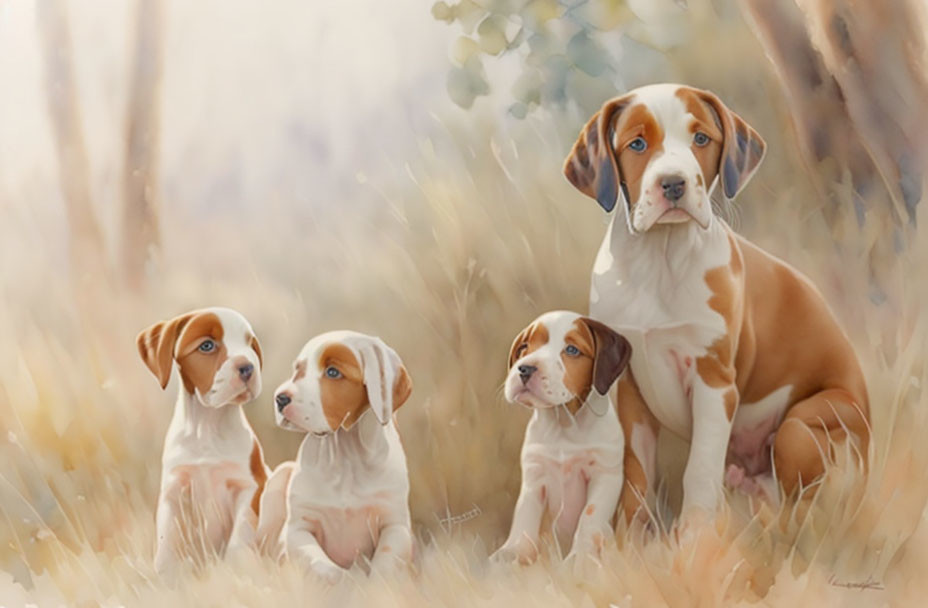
[[395, 168]]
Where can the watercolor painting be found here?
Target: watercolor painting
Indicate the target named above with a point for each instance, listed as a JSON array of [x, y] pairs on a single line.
[[463, 303]]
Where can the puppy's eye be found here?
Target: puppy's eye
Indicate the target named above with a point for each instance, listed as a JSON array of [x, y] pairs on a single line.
[[207, 346], [333, 373], [700, 139], [638, 144], [572, 351]]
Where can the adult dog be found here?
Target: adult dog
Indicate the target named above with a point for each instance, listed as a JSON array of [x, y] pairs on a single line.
[[733, 349]]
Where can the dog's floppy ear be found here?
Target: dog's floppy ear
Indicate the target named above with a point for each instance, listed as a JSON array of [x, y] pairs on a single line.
[[156, 346], [385, 377], [612, 354], [592, 166], [742, 150]]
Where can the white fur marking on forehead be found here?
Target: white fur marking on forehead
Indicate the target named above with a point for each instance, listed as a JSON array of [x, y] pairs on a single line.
[[668, 109], [558, 323], [236, 329]]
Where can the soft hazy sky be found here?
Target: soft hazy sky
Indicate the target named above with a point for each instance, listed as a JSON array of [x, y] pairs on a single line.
[[257, 96]]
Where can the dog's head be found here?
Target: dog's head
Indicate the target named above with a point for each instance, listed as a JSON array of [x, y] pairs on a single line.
[[560, 357], [337, 377], [661, 148], [216, 351]]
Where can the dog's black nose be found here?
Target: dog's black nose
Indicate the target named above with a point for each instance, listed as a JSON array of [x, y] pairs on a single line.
[[674, 186], [282, 400], [245, 371], [526, 371]]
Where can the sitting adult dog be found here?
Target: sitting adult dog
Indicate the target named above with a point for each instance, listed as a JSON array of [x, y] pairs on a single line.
[[346, 497], [562, 366], [733, 349]]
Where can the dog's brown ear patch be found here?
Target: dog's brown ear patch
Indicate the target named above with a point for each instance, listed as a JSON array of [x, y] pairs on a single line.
[[612, 355], [402, 387], [256, 346], [742, 149], [156, 346], [592, 166]]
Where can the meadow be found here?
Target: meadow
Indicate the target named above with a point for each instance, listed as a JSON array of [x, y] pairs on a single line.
[[446, 252]]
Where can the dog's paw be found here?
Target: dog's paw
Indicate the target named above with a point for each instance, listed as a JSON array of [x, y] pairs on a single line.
[[327, 571], [524, 554]]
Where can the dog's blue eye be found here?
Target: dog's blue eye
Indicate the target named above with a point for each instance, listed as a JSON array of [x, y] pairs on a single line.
[[638, 144], [572, 350], [700, 139], [207, 346], [331, 372]]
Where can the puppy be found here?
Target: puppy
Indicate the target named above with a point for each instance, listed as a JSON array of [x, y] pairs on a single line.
[[213, 469], [562, 366], [346, 496]]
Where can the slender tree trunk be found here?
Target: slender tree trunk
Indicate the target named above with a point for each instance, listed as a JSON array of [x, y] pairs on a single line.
[[140, 234], [88, 258]]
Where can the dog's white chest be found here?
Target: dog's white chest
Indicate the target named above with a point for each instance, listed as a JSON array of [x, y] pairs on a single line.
[[652, 289]]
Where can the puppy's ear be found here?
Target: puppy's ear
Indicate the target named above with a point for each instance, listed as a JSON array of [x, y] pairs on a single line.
[[156, 346], [742, 148], [592, 166], [385, 377], [612, 354], [256, 346], [513, 357]]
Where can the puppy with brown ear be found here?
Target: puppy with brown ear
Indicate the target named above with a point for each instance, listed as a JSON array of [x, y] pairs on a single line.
[[346, 498], [562, 366], [213, 469]]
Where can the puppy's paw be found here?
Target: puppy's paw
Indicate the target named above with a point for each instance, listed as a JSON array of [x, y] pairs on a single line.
[[327, 571], [524, 553]]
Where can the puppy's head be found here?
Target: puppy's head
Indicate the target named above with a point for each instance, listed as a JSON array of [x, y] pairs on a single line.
[[337, 377], [216, 351], [560, 358], [660, 148]]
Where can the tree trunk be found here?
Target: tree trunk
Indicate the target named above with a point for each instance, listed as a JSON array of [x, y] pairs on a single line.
[[88, 258], [140, 235]]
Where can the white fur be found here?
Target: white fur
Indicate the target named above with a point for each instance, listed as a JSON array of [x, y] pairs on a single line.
[[348, 493], [571, 465], [207, 452]]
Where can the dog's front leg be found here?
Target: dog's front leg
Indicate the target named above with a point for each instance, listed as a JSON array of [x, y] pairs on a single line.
[[713, 410], [304, 548], [244, 522], [167, 520], [394, 549], [522, 543], [595, 522]]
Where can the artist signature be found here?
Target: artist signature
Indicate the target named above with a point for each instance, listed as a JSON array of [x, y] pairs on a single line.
[[868, 584]]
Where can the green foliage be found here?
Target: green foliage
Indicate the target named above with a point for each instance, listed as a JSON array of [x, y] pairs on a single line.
[[567, 49]]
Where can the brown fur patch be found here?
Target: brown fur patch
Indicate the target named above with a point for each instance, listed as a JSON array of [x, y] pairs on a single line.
[[156, 346], [198, 369], [529, 339], [299, 369], [256, 346], [706, 121], [633, 411], [636, 121], [259, 472], [578, 371], [343, 398], [591, 509], [731, 402]]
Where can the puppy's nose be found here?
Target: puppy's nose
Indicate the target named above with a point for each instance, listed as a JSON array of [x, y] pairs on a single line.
[[282, 400], [674, 186], [245, 371], [526, 371]]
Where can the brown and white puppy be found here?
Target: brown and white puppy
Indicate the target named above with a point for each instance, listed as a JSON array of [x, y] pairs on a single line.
[[346, 497], [213, 469], [734, 349], [562, 366]]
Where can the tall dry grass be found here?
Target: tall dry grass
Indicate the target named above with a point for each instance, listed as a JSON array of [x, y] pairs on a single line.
[[446, 258]]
